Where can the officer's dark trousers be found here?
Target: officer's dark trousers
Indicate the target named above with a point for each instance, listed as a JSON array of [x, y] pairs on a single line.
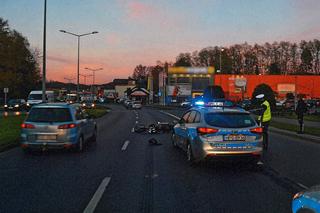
[[265, 126]]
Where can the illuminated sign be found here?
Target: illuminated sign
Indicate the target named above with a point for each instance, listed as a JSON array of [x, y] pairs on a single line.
[[191, 70], [179, 90], [286, 88]]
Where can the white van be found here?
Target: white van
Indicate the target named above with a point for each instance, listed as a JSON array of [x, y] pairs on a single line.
[[35, 97]]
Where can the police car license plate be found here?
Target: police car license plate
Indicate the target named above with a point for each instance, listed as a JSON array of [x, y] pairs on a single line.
[[234, 138]]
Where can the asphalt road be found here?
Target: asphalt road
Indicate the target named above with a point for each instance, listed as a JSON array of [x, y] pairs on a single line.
[[127, 174]]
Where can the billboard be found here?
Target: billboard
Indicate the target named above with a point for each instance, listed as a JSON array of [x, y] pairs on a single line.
[[286, 88], [179, 90], [191, 70]]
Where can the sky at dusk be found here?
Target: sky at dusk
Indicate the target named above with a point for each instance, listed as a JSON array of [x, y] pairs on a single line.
[[143, 32]]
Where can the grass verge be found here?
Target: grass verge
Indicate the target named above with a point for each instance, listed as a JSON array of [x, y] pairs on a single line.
[[10, 130], [294, 128], [98, 111]]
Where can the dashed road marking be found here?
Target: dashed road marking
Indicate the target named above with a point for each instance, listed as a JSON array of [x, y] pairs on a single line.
[[137, 122], [97, 196], [132, 130], [125, 145]]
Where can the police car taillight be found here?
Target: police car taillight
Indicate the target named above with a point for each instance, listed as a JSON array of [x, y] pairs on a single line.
[[205, 130], [257, 130]]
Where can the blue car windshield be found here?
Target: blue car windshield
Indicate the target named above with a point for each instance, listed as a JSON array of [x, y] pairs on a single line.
[[229, 120], [49, 115]]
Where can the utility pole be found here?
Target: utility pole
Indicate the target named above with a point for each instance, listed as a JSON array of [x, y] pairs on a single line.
[[85, 78], [44, 53]]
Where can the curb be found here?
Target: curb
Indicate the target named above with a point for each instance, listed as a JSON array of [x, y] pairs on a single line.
[[311, 138]]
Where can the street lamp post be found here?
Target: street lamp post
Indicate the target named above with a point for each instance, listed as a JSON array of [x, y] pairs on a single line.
[[78, 73], [93, 74], [220, 59], [44, 52]]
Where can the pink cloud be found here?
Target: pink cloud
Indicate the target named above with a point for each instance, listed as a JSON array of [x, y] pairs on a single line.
[[138, 10]]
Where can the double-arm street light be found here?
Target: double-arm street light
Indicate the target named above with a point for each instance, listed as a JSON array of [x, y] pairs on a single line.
[[78, 36], [85, 78], [93, 73]]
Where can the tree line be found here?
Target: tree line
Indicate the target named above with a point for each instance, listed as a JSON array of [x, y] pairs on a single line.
[[277, 58], [283, 57], [19, 69]]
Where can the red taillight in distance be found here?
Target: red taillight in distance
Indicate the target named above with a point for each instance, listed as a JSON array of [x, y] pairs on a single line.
[[27, 126], [206, 130], [67, 126], [257, 130]]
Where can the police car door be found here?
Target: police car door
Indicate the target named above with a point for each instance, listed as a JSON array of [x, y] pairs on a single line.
[[188, 127], [180, 130]]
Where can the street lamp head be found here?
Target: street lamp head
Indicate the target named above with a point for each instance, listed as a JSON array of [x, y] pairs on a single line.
[[94, 32], [63, 31]]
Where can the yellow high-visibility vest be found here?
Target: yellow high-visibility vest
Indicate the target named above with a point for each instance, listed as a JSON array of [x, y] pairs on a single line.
[[267, 113]]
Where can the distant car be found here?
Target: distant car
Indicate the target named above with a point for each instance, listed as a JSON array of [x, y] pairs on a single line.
[[136, 105], [218, 131], [307, 201], [57, 126], [88, 104], [16, 105], [35, 97], [288, 105]]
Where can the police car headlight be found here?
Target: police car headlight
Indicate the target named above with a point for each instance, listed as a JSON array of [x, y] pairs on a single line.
[[298, 195]]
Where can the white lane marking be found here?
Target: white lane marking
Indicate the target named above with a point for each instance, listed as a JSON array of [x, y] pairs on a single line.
[[132, 130], [97, 196], [302, 186], [125, 145], [137, 122], [171, 115], [137, 117]]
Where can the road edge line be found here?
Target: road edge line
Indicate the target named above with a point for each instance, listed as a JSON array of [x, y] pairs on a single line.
[[125, 145]]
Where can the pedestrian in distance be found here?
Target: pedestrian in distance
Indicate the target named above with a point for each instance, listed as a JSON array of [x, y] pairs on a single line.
[[264, 118], [300, 110]]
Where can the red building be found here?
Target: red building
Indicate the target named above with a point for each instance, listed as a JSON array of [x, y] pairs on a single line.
[[237, 87]]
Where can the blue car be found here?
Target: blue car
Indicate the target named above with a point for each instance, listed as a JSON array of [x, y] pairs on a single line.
[[218, 130], [57, 126], [307, 201]]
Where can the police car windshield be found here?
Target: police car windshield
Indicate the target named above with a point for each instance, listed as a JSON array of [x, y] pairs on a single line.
[[229, 120]]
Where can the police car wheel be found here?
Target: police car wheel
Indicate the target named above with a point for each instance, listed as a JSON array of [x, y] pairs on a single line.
[[190, 157]]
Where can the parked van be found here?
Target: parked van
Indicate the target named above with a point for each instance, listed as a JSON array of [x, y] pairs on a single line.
[[35, 97]]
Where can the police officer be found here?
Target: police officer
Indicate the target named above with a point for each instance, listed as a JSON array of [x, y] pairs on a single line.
[[264, 118], [300, 110]]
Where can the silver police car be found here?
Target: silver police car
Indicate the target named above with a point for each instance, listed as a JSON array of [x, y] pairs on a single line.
[[57, 125], [218, 131]]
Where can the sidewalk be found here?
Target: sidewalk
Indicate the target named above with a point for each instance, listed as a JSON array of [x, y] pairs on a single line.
[[295, 122]]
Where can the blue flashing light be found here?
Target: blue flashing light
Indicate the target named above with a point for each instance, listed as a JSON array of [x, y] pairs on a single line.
[[199, 103]]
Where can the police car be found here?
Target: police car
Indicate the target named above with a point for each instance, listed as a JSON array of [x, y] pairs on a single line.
[[218, 129], [307, 201]]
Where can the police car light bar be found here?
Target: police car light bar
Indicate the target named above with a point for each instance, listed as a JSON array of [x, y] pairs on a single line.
[[199, 103]]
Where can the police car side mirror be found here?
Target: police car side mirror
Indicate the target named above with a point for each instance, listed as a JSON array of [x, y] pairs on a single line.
[[182, 121]]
